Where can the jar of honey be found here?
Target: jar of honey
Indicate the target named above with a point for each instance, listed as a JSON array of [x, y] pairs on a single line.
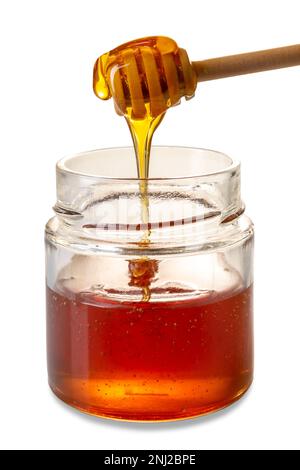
[[149, 285]]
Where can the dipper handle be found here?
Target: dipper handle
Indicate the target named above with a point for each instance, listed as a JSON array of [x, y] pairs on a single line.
[[241, 64]]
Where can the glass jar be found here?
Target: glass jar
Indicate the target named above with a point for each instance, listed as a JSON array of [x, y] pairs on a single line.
[[149, 319]]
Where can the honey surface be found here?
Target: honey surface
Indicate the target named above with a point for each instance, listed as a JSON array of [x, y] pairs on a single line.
[[150, 360]]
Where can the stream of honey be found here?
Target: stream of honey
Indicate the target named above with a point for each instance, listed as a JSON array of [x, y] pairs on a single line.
[[145, 77]]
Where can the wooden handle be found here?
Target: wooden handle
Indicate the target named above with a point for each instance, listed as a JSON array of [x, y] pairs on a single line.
[[240, 64]]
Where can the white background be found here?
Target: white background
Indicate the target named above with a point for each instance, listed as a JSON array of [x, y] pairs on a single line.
[[48, 110]]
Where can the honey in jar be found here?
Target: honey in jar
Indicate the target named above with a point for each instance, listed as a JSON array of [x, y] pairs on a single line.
[[150, 360]]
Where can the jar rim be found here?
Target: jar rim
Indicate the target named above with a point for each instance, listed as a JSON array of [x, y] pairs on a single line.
[[63, 168]]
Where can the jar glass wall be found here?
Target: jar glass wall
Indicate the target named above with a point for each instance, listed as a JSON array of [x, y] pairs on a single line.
[[149, 317]]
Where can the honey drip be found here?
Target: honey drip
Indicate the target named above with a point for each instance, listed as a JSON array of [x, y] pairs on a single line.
[[142, 272], [144, 77]]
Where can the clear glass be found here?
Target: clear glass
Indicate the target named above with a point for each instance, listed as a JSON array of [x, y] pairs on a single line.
[[149, 318]]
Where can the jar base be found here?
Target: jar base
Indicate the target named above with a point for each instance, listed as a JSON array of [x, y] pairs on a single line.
[[149, 417]]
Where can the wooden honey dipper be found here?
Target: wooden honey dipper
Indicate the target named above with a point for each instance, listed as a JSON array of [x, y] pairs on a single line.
[[147, 76]]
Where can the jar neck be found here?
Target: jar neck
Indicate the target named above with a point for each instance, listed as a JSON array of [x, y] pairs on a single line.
[[160, 211]]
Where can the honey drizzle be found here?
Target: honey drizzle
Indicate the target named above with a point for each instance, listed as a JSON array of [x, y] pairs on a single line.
[[145, 77], [142, 132]]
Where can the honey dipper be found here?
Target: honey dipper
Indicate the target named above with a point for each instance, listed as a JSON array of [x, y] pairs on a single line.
[[147, 76]]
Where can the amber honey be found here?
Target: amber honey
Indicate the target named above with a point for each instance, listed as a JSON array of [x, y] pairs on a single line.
[[150, 360]]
